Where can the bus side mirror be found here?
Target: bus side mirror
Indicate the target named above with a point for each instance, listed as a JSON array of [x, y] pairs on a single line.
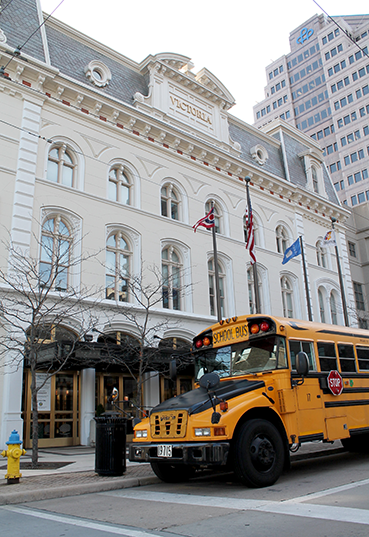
[[173, 369], [302, 364]]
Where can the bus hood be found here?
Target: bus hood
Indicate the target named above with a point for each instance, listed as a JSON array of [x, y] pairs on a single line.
[[197, 400]]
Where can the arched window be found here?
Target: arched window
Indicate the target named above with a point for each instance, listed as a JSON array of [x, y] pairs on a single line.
[[56, 245], [321, 306], [118, 267], [314, 176], [321, 255], [171, 268], [281, 239], [218, 217], [119, 188], [251, 289], [170, 202], [333, 306], [62, 166], [212, 288], [287, 297]]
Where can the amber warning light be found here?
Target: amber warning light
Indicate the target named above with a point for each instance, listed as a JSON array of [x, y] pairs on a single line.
[[264, 326], [203, 342]]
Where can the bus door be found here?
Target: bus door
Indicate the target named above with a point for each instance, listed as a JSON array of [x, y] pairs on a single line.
[[310, 413]]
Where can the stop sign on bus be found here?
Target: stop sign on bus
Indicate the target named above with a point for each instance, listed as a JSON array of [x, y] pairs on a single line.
[[335, 383]]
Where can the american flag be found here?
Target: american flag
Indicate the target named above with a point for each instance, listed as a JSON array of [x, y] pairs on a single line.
[[207, 221], [250, 242]]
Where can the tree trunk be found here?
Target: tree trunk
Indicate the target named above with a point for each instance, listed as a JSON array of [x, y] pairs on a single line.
[[34, 419]]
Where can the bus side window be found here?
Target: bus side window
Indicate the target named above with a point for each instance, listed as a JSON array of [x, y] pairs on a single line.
[[327, 356], [305, 346], [347, 358], [363, 358]]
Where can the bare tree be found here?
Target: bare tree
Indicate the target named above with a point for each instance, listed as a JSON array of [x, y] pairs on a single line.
[[139, 354], [37, 302]]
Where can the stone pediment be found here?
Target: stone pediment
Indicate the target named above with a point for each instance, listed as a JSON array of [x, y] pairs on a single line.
[[179, 68]]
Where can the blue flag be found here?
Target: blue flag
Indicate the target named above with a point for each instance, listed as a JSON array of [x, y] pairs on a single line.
[[292, 251]]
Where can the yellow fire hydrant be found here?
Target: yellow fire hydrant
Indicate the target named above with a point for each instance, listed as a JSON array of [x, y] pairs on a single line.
[[13, 453]]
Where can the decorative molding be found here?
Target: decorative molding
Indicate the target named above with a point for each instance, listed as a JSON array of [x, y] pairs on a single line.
[[98, 73]]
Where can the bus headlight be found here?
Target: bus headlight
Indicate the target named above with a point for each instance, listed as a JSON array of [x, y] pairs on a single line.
[[204, 431], [141, 434]]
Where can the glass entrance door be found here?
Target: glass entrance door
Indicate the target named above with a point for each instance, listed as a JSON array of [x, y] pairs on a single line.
[[59, 409]]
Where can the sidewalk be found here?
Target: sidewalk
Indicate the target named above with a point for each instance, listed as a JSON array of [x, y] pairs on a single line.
[[76, 474]]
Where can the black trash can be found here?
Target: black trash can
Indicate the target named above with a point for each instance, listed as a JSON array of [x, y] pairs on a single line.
[[110, 452]]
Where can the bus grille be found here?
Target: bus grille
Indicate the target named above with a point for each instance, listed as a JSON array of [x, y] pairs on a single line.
[[170, 424]]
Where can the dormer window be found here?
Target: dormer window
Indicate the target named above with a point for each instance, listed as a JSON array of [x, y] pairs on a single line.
[[98, 73]]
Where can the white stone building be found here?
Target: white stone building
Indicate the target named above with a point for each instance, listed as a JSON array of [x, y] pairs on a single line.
[[124, 158]]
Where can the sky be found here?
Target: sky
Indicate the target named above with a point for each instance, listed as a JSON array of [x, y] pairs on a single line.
[[233, 39]]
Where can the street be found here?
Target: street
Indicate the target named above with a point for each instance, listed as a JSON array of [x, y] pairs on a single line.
[[323, 497]]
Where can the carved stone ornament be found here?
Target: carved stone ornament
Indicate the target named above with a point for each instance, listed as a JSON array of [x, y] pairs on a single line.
[[2, 36], [98, 73], [259, 154]]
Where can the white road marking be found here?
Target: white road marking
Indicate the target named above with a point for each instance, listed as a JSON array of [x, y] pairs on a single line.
[[290, 507], [116, 530], [326, 492]]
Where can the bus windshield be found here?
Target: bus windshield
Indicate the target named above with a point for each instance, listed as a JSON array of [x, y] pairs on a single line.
[[243, 358]]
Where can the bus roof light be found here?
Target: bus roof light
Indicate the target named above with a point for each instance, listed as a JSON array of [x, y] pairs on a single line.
[[264, 326], [254, 328]]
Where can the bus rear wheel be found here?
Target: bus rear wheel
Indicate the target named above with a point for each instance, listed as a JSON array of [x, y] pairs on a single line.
[[259, 454], [172, 473]]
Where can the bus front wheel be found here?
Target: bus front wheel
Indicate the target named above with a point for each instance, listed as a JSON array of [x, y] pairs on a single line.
[[259, 454]]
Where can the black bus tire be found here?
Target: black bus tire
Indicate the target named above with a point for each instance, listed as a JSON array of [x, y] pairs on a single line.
[[172, 473], [258, 454]]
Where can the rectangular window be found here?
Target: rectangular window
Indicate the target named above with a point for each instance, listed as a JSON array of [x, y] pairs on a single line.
[[357, 135], [357, 176], [326, 131], [335, 146], [340, 84], [268, 108], [358, 55], [320, 135], [361, 154], [361, 197], [346, 80], [340, 123], [353, 116], [350, 98], [327, 55], [327, 356], [278, 86], [330, 71], [351, 59], [363, 358], [300, 58], [270, 76], [350, 138], [340, 47], [310, 121], [365, 174], [343, 64], [343, 101], [330, 36], [317, 117], [280, 102], [343, 141], [353, 201], [274, 105], [346, 160], [281, 68], [288, 114], [302, 73], [359, 297], [330, 149], [347, 358], [336, 32], [366, 90], [358, 94], [354, 76], [283, 83], [366, 130], [361, 72], [315, 65], [273, 90], [275, 72], [346, 120], [333, 167], [350, 180], [333, 88], [353, 157], [334, 52], [285, 98], [352, 249], [302, 346], [324, 40]]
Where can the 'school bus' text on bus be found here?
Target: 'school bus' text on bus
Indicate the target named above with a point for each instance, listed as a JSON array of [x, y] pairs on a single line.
[[266, 385]]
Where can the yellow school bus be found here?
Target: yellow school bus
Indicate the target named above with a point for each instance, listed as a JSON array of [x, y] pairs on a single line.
[[265, 386]]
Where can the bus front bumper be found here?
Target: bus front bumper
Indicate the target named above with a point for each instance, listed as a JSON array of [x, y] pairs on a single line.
[[196, 453]]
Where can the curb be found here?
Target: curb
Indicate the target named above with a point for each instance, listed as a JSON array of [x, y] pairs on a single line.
[[75, 490]]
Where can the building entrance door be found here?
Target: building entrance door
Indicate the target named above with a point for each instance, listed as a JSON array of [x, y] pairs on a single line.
[[59, 409]]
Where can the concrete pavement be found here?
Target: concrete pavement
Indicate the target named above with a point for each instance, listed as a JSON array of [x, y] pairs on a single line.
[[75, 473]]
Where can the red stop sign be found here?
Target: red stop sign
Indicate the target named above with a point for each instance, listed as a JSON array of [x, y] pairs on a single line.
[[335, 383]]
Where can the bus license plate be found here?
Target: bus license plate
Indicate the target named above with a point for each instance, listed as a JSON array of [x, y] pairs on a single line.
[[165, 451]]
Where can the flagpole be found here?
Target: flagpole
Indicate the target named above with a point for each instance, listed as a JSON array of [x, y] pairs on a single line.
[[344, 306], [310, 315], [216, 270], [254, 267]]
